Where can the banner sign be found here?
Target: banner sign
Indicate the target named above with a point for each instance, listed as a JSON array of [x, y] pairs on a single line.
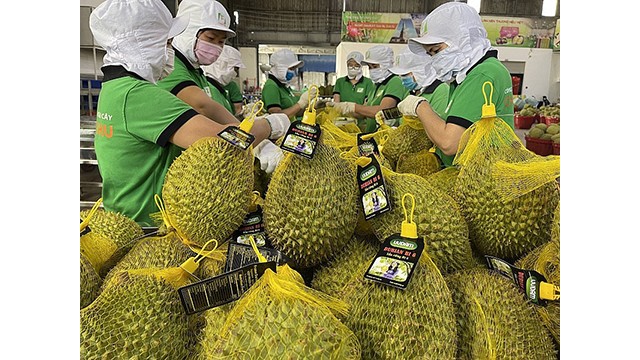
[[398, 28]]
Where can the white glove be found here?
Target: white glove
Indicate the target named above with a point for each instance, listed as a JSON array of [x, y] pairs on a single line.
[[409, 105], [321, 103], [269, 155], [306, 96], [345, 107], [279, 125]]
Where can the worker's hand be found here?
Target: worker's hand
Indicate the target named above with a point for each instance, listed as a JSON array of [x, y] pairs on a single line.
[[381, 119], [269, 155], [306, 96], [345, 107], [409, 105], [279, 123], [321, 103]]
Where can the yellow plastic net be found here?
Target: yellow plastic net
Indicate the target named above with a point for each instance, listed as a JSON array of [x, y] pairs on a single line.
[[409, 138], [280, 318], [507, 193]]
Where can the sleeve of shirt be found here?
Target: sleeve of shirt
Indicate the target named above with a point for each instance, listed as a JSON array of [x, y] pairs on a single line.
[[395, 89], [154, 114], [466, 105], [235, 95], [176, 81], [271, 95], [440, 99]]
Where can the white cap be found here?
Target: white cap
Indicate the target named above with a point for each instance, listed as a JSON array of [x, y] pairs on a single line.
[[286, 58], [409, 62], [446, 23], [114, 23], [357, 56], [379, 54]]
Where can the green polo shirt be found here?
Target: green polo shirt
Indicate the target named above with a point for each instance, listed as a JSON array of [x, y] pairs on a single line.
[[465, 103], [235, 95], [220, 95], [134, 122], [185, 75], [353, 92], [390, 87], [277, 94]]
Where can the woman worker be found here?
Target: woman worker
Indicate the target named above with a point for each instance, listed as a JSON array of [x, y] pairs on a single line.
[[354, 87], [221, 74], [145, 127], [462, 55]]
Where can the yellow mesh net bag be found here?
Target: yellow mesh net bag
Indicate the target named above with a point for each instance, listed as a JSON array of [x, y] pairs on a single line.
[[445, 180], [112, 235], [422, 163], [408, 138], [509, 213], [280, 318]]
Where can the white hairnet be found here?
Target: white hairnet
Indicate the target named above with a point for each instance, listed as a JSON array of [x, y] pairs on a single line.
[[418, 65], [228, 59], [459, 26], [379, 54], [357, 56], [203, 14], [134, 33]]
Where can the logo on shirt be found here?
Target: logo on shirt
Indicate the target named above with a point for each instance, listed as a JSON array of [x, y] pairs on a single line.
[[379, 93], [207, 90], [103, 130], [360, 90]]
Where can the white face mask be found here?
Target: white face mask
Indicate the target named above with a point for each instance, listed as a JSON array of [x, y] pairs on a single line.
[[227, 77], [167, 69], [378, 74], [354, 72], [448, 62]]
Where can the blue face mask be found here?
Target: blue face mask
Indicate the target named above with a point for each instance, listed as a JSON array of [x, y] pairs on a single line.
[[408, 82], [290, 75]]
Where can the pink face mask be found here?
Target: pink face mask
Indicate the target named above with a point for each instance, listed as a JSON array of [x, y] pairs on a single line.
[[206, 52]]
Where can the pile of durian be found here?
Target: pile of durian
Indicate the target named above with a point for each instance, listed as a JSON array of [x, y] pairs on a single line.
[[319, 305]]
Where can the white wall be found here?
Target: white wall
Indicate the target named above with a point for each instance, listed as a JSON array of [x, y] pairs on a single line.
[[249, 57], [541, 66]]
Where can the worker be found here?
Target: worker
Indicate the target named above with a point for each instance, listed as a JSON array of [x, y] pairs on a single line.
[[387, 92], [140, 127], [277, 95], [419, 77], [461, 54], [354, 87], [201, 44], [221, 74]]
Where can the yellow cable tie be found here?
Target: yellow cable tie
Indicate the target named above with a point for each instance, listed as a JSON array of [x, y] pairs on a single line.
[[92, 212], [488, 108], [255, 249], [192, 263], [409, 228], [549, 291], [247, 123]]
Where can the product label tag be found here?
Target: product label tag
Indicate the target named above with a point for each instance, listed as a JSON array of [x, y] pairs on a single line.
[[252, 225], [221, 289], [366, 147], [239, 255], [86, 230], [396, 260], [391, 113], [373, 192], [302, 139], [528, 281], [237, 137]]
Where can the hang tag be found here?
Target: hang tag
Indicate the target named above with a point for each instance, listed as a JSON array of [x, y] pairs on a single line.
[[366, 147], [373, 193], [391, 113], [302, 139], [239, 255], [396, 261], [252, 225], [221, 289], [528, 281], [86, 229], [237, 137]]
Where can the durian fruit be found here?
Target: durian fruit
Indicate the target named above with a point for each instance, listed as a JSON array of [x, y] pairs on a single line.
[[410, 137], [208, 189], [311, 206], [153, 252], [422, 163], [545, 259], [280, 318], [415, 323], [437, 216], [350, 128], [494, 319], [112, 235], [137, 316], [90, 282], [504, 229], [445, 180]]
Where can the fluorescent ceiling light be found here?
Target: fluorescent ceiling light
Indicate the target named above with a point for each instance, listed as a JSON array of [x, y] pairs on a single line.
[[235, 13], [474, 4], [549, 7]]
